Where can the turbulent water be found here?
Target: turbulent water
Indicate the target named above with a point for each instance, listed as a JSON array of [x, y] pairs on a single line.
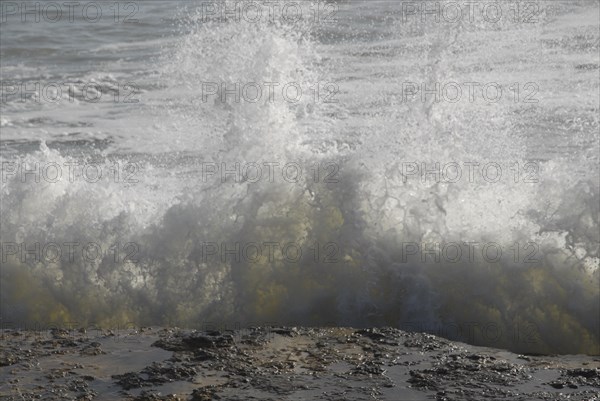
[[351, 198]]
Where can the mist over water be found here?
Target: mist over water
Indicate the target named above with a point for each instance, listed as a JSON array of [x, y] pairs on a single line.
[[189, 239]]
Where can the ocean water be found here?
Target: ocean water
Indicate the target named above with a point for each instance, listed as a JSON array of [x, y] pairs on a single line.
[[347, 163]]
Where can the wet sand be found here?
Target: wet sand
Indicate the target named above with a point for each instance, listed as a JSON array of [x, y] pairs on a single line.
[[279, 363]]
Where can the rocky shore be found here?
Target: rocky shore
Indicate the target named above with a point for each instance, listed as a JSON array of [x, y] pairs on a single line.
[[279, 363]]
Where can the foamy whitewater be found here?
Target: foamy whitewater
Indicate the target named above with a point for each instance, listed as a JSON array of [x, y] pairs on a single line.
[[174, 237]]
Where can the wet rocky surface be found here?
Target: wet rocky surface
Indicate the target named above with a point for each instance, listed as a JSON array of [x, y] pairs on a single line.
[[279, 363]]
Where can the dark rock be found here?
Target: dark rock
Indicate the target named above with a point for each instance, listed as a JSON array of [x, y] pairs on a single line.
[[285, 331], [149, 396], [369, 368], [425, 342], [59, 333], [195, 340], [581, 372], [130, 381], [7, 359], [373, 334], [198, 340], [92, 349], [205, 394]]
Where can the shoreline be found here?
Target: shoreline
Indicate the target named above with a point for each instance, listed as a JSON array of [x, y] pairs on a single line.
[[280, 363]]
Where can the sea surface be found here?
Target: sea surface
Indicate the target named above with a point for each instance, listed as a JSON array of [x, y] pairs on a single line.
[[341, 163]]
